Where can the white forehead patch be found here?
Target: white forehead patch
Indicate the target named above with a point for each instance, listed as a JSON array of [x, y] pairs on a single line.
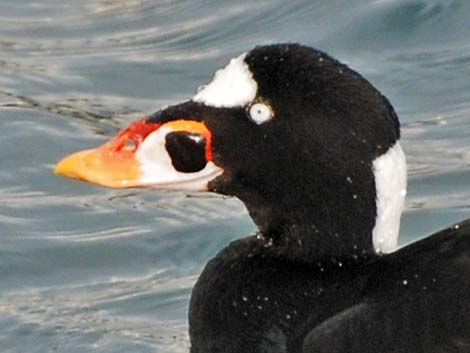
[[232, 86], [390, 184]]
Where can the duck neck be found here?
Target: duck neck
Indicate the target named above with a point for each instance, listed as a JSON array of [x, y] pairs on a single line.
[[313, 243], [327, 228], [322, 239], [350, 215]]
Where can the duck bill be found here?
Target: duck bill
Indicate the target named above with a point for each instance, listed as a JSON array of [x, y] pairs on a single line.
[[174, 155], [101, 166]]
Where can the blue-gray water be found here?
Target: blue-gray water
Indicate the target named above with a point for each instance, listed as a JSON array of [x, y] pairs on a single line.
[[86, 269]]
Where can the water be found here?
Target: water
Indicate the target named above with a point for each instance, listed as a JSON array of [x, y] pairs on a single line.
[[89, 269]]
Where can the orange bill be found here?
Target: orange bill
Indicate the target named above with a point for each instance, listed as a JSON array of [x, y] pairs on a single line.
[[138, 156]]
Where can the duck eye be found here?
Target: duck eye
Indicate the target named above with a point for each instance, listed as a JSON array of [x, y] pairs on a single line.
[[260, 113]]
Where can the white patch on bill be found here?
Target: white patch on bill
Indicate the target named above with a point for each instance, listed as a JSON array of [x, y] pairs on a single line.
[[390, 184], [157, 168], [232, 86]]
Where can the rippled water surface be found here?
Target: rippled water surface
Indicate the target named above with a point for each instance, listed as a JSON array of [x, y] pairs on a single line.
[[87, 269]]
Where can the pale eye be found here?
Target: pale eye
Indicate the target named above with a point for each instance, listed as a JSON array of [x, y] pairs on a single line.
[[260, 113]]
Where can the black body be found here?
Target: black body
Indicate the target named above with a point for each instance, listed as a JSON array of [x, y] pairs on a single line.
[[310, 281], [413, 301]]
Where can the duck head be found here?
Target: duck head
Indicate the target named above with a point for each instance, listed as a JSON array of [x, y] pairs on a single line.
[[310, 147]]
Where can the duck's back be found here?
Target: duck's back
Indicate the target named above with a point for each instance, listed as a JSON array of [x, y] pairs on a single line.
[[416, 300]]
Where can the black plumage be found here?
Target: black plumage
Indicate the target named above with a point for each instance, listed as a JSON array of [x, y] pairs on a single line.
[[310, 280]]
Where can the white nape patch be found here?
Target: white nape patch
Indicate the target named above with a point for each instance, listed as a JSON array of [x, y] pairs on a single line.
[[232, 86], [158, 171], [390, 184]]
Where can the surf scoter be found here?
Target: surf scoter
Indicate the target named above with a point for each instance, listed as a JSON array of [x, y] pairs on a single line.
[[313, 151]]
